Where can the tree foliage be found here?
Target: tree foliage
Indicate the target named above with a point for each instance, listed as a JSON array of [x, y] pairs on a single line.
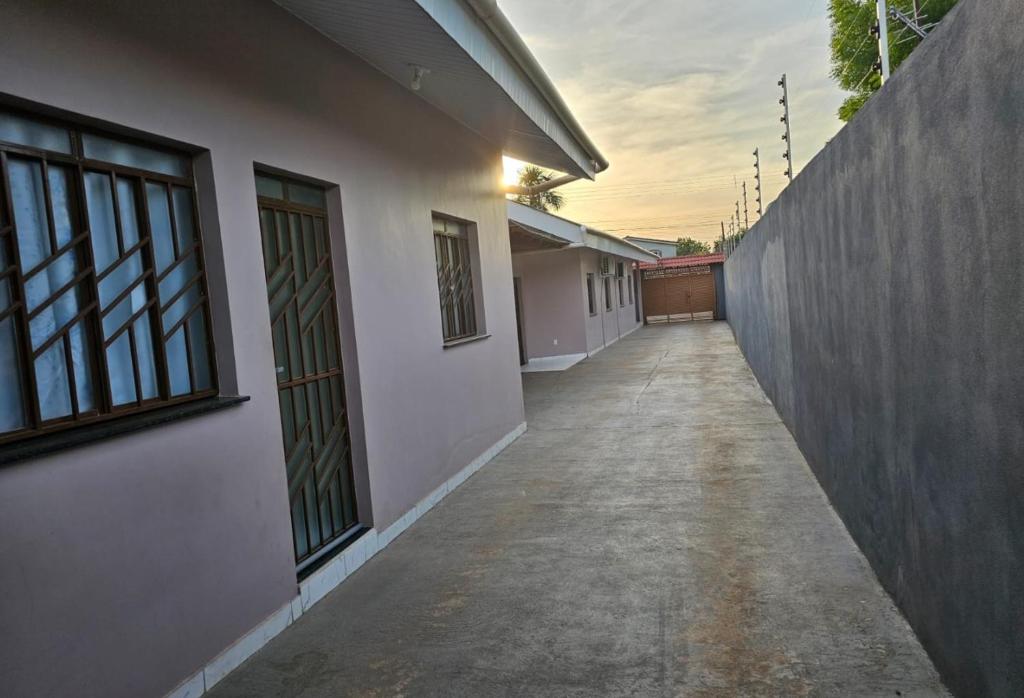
[[855, 49], [688, 246], [735, 237], [530, 176]]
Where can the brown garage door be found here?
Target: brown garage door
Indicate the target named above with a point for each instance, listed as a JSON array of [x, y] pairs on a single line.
[[679, 294]]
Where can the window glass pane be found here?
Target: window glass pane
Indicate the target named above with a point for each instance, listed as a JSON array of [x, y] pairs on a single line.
[[147, 357], [200, 356], [183, 218], [29, 208], [177, 363], [102, 227], [46, 282], [63, 201], [52, 385], [178, 277], [56, 315], [81, 359], [306, 195], [160, 225], [124, 310], [12, 409], [181, 306], [121, 370], [131, 155], [126, 209], [269, 187], [5, 288], [299, 529], [34, 134], [120, 278]]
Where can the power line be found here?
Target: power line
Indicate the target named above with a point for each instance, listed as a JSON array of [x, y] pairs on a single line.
[[656, 182]]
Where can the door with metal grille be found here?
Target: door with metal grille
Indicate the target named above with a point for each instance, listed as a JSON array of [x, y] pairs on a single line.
[[307, 353]]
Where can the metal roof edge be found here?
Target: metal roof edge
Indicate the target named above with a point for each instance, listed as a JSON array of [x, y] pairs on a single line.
[[500, 26]]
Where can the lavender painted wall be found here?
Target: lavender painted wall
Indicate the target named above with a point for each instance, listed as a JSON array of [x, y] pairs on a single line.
[[551, 301], [607, 326], [128, 565]]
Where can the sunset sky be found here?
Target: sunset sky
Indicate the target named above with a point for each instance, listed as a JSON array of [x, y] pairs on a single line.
[[677, 94]]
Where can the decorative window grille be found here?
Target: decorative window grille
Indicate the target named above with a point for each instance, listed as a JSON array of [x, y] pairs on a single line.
[[454, 279], [104, 305]]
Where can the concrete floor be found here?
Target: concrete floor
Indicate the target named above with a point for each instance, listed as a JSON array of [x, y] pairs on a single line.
[[655, 532]]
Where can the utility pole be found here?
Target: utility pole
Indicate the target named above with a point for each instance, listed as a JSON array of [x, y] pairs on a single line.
[[882, 30], [737, 215], [757, 176], [746, 210], [787, 136]]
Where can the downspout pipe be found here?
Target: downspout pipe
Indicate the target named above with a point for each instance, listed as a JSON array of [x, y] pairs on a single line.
[[502, 29], [542, 187]]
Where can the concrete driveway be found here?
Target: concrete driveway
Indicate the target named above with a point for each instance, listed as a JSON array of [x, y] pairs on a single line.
[[655, 532]]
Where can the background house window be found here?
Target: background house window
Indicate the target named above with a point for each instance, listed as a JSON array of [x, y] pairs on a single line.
[[622, 296], [454, 279], [103, 297], [607, 293], [591, 295]]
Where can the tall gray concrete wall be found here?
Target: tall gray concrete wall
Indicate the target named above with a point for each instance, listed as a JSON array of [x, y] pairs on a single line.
[[880, 303]]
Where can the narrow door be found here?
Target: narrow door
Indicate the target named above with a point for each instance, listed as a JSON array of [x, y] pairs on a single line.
[[307, 353], [517, 290]]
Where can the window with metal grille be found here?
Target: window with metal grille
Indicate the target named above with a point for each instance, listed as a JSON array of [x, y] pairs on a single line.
[[622, 296], [103, 296], [454, 279], [629, 285], [591, 295], [607, 293]]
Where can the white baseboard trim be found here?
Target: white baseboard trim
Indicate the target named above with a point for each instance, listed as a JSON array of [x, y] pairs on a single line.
[[562, 362], [325, 579]]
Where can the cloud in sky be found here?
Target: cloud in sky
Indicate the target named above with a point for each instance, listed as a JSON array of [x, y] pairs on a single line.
[[677, 94]]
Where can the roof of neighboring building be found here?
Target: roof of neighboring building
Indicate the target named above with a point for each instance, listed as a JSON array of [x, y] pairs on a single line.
[[548, 226], [475, 68], [634, 238], [697, 260]]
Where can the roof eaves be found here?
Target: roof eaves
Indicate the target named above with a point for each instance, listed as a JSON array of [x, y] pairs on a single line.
[[499, 25]]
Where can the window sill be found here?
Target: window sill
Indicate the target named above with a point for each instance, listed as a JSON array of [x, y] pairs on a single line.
[[467, 340], [52, 443]]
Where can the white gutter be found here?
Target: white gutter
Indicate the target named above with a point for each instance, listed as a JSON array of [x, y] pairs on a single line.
[[508, 37]]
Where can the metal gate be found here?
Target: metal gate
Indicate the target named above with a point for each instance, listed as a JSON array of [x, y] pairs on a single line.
[[307, 353], [679, 294]]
